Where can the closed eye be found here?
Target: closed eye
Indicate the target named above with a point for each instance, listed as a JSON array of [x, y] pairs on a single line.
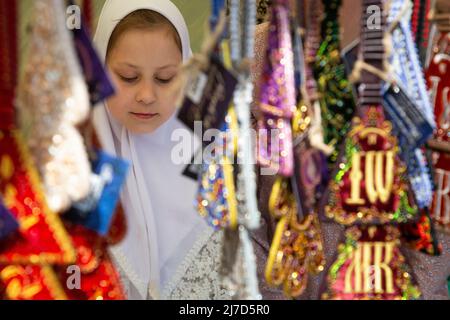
[[128, 80], [164, 80]]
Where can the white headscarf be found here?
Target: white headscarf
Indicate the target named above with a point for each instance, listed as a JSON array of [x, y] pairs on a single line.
[[157, 199]]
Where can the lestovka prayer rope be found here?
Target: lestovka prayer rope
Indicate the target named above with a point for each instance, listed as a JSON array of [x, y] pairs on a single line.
[[369, 192]]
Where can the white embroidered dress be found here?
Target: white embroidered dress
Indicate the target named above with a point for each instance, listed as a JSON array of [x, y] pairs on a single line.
[[197, 277]]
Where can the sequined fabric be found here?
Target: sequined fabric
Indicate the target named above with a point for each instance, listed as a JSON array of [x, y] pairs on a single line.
[[430, 272], [54, 97]]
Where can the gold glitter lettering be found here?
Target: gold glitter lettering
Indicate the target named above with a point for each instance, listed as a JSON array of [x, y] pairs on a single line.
[[365, 273]]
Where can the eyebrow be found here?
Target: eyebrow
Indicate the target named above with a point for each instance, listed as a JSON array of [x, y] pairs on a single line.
[[137, 67], [129, 65], [168, 66]]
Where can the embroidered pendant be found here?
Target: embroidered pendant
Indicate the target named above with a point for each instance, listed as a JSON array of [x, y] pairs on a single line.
[[370, 266], [53, 95], [370, 192], [216, 198], [42, 238], [296, 248], [277, 97], [212, 201], [39, 237], [370, 185]]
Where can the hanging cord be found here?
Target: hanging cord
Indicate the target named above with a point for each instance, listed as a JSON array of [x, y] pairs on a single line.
[[360, 65]]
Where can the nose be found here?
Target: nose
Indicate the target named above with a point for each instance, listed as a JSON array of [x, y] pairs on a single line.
[[146, 93]]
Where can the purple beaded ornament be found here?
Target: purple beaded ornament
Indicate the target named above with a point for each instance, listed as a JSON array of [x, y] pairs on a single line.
[[277, 96]]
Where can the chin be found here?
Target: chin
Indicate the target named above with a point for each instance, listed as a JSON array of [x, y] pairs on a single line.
[[143, 130]]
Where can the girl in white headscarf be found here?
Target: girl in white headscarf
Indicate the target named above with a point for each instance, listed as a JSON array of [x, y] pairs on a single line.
[[169, 252]]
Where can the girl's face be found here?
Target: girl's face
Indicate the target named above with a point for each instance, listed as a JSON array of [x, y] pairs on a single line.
[[143, 64]]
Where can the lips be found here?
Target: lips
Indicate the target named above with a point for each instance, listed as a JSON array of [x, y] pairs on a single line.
[[144, 116]]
